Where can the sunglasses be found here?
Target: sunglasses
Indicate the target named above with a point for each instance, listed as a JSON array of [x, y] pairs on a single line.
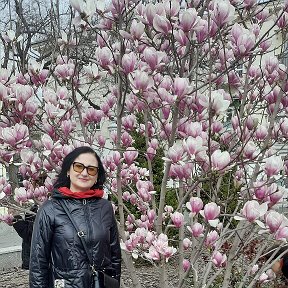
[[79, 167]]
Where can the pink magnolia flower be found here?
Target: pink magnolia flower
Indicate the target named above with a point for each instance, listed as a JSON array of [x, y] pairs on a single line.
[[265, 44], [104, 57], [126, 196], [150, 12], [177, 219], [129, 122], [223, 12], [30, 108], [210, 213], [5, 187], [211, 238], [141, 232], [216, 127], [67, 126], [153, 254], [101, 140], [126, 139], [128, 62], [130, 155], [273, 220], [3, 92], [151, 153], [131, 243], [197, 230], [137, 29], [260, 190], [186, 265], [187, 243], [282, 234], [194, 129], [22, 92], [163, 247], [175, 153], [284, 127], [254, 72], [21, 195], [133, 199], [261, 132], [28, 156], [218, 101], [152, 57], [218, 259], [275, 194], [15, 135], [283, 20], [144, 195], [235, 122], [263, 278], [181, 171], [160, 247], [271, 69], [252, 211], [242, 40], [140, 80], [220, 160], [248, 4], [116, 158], [181, 87], [171, 7], [165, 86], [154, 144], [250, 122], [273, 165], [188, 19], [151, 215], [249, 150], [40, 193], [195, 205], [6, 217], [65, 71], [194, 145], [150, 237], [161, 24]]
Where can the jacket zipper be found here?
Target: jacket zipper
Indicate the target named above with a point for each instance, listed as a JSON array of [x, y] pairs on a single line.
[[88, 224]]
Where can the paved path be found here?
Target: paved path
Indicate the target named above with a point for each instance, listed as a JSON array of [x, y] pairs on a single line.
[[10, 248], [14, 278], [8, 236]]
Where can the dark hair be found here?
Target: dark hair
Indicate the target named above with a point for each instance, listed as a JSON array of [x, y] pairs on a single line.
[[64, 181], [280, 250]]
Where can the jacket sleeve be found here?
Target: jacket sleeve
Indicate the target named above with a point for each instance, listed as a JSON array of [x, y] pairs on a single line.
[[40, 255], [115, 247]]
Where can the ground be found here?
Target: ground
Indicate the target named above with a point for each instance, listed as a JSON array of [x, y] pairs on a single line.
[[18, 278]]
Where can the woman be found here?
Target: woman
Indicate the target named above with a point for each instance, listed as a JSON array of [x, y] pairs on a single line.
[[58, 257]]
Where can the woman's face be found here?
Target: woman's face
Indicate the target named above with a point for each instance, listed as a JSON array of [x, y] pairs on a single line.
[[81, 180]]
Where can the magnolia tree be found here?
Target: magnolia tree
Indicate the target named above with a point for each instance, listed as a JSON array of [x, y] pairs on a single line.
[[198, 96]]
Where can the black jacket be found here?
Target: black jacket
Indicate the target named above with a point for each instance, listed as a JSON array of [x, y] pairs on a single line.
[[57, 254], [24, 228]]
